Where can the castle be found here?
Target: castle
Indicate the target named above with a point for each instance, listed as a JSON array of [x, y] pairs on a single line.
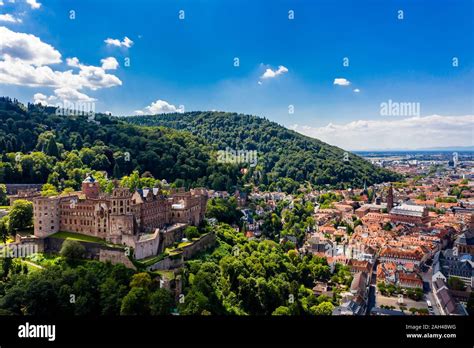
[[139, 219]]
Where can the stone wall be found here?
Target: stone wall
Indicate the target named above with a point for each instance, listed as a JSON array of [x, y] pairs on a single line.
[[176, 261], [12, 189], [171, 235], [53, 245], [115, 257], [203, 243], [147, 245], [168, 263]]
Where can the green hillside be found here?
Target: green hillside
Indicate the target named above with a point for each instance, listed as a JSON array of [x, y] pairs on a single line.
[[283, 153], [39, 146]]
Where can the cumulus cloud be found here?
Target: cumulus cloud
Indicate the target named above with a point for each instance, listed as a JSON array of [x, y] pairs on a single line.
[[126, 42], [356, 90], [109, 63], [9, 18], [269, 73], [34, 4], [410, 133], [18, 72], [27, 48], [63, 95], [340, 81], [25, 61], [160, 107]]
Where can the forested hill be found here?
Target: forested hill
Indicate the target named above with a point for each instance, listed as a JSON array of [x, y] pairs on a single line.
[[283, 153], [38, 146]]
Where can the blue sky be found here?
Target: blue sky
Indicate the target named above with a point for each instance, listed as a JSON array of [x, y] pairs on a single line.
[[190, 62]]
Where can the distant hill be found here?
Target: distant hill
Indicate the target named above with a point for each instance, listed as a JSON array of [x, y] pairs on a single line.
[[284, 156]]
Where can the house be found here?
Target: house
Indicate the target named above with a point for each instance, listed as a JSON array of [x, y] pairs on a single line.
[[465, 243], [410, 280], [445, 301], [356, 266], [448, 263], [321, 288], [398, 255]]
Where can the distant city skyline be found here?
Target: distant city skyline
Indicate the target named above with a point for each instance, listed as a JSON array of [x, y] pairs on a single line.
[[375, 75]]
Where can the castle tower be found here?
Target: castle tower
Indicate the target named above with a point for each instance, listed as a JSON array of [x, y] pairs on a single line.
[[90, 187], [390, 198]]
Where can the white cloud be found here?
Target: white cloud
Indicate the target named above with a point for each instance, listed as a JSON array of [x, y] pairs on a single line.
[[160, 107], [17, 72], [25, 61], [27, 48], [63, 95], [1, 3], [40, 98], [34, 4], [9, 18], [356, 90], [269, 73], [109, 63], [341, 81], [126, 42], [410, 133], [72, 95]]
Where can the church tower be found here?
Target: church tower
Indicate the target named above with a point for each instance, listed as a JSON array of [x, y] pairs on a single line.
[[390, 198], [90, 187]]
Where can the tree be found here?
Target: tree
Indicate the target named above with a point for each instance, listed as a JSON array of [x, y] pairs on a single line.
[[21, 215], [48, 190], [52, 148], [455, 283], [194, 303], [161, 302], [4, 229], [3, 195], [324, 308], [191, 232], [116, 173], [6, 265], [282, 310], [72, 250], [141, 280], [136, 302]]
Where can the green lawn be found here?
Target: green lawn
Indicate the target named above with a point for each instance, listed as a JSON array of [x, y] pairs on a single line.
[[77, 236], [183, 244], [168, 274], [151, 260]]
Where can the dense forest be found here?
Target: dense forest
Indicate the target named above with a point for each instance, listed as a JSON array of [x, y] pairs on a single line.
[[237, 277], [283, 155], [37, 145]]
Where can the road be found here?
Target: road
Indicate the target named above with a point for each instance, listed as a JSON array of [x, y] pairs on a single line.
[[427, 288], [372, 291]]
